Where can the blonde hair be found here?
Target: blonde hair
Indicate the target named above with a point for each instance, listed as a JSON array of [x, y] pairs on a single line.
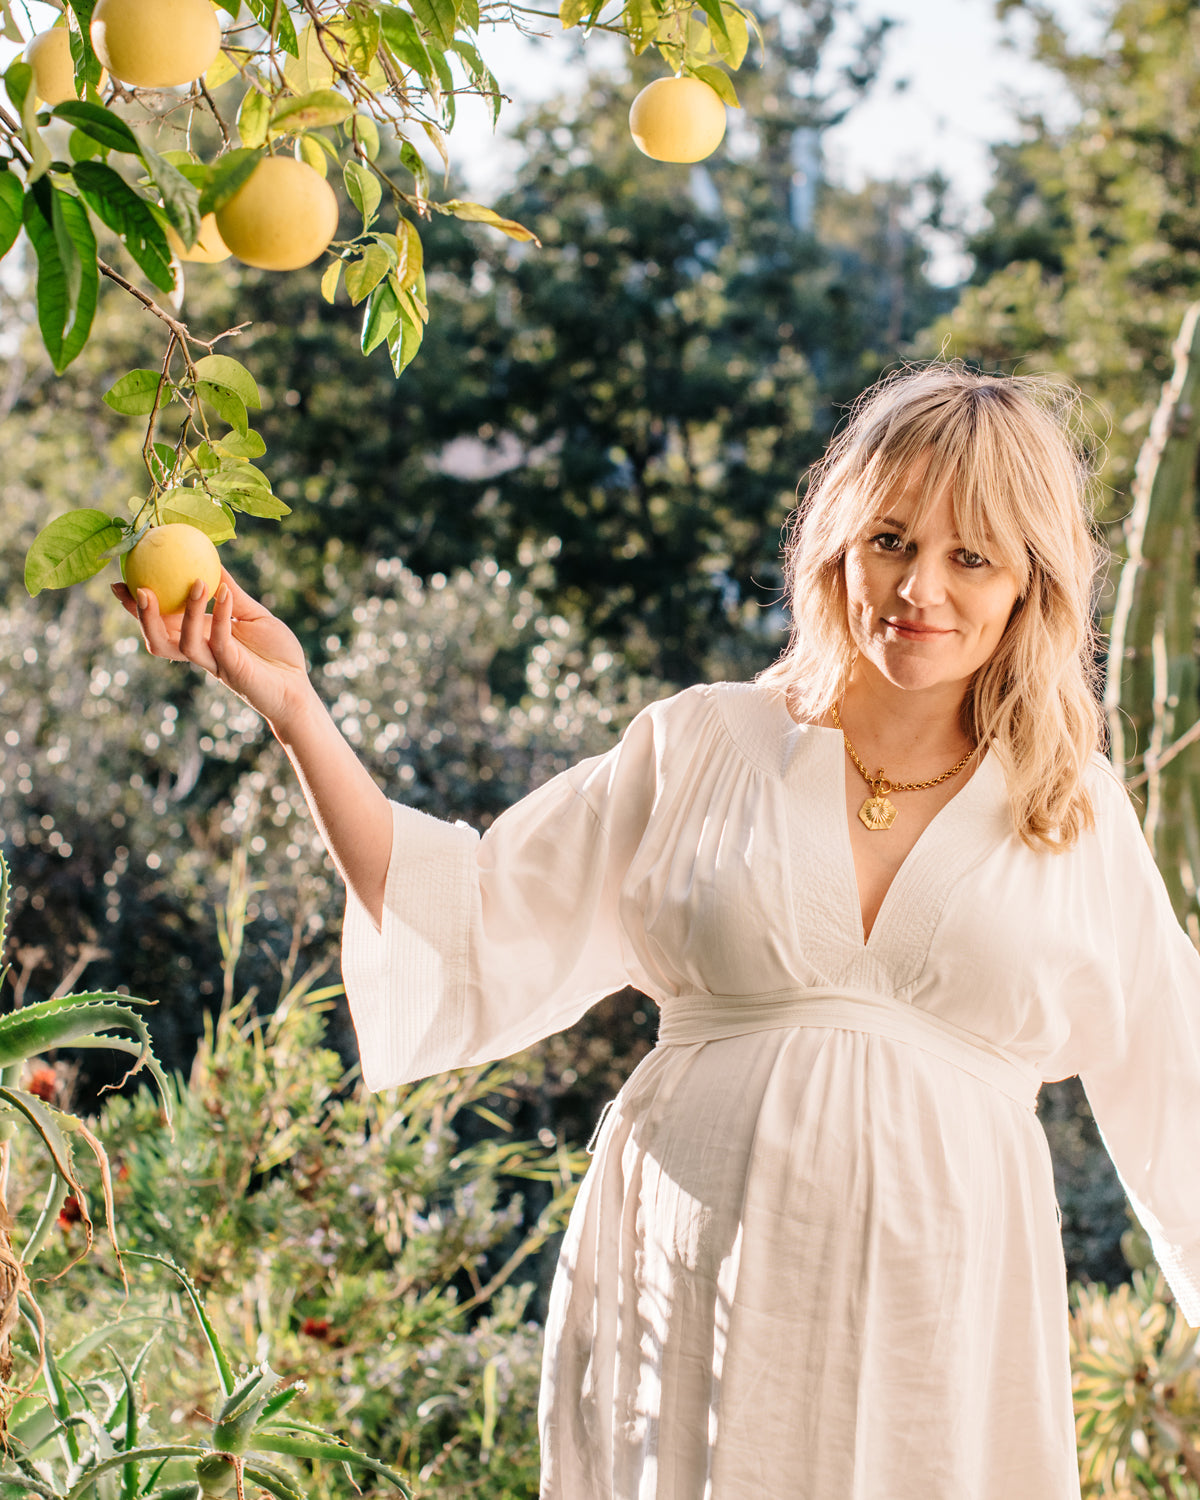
[[1010, 446]]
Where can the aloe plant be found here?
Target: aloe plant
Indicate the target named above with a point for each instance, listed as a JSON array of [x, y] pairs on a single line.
[[92, 1019], [89, 1439]]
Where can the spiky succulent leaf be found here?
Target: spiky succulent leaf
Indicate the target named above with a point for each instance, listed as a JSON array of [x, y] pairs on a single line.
[[138, 1455], [55, 1023], [332, 1449], [220, 1360], [274, 1481]]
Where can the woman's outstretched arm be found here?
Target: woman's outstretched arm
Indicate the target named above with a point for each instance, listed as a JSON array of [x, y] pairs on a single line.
[[255, 654]]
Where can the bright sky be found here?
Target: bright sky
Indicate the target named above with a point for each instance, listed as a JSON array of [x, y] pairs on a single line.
[[953, 81]]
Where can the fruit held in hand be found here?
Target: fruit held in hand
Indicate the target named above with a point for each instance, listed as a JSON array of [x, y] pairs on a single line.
[[209, 247], [677, 119], [282, 217], [155, 44], [49, 55], [168, 560]]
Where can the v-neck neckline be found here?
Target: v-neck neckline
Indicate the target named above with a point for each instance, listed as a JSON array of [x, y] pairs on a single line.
[[930, 835], [952, 815]]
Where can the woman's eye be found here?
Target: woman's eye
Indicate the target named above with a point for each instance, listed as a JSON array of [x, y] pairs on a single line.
[[972, 560], [888, 541]]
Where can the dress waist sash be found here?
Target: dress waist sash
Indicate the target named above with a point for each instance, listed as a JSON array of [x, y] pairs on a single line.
[[688, 1019]]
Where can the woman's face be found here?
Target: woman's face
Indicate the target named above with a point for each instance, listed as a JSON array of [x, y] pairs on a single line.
[[925, 611]]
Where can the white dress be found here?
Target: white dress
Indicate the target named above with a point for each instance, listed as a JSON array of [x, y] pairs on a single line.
[[817, 1254]]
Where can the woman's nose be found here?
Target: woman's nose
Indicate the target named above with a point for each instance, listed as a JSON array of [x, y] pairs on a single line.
[[924, 582]]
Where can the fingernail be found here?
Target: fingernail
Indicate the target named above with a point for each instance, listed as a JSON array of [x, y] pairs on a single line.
[[223, 593], [197, 590], [143, 596]]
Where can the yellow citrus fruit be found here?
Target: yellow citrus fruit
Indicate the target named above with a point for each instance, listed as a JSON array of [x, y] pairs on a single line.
[[209, 247], [677, 119], [281, 217], [168, 560], [155, 44], [49, 55]]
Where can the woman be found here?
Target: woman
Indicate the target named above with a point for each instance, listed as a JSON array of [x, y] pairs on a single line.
[[878, 895]]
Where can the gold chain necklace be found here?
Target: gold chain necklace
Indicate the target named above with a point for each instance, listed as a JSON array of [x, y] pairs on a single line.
[[877, 813]]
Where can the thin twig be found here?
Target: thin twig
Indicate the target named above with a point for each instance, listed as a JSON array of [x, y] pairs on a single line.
[[180, 330], [216, 114], [1152, 765]]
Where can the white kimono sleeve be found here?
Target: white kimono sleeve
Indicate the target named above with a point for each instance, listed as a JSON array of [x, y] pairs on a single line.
[[489, 944], [1146, 1100]]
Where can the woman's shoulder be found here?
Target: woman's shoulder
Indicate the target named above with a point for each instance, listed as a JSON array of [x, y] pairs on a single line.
[[747, 720]]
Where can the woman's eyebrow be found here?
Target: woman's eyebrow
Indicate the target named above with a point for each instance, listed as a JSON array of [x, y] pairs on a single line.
[[900, 525]]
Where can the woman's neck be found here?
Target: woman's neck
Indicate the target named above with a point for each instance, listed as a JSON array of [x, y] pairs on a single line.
[[909, 732]]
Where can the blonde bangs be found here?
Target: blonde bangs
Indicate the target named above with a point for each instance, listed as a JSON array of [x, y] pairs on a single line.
[[1019, 477]]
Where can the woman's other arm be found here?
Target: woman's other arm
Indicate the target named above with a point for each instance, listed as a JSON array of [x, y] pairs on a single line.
[[255, 654]]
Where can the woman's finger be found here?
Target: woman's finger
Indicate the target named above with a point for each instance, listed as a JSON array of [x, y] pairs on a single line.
[[154, 629], [194, 627], [220, 634]]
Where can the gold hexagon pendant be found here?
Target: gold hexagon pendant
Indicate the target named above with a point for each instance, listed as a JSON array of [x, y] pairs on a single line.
[[877, 813]]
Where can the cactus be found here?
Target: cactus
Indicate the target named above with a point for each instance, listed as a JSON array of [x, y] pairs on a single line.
[[1152, 683]]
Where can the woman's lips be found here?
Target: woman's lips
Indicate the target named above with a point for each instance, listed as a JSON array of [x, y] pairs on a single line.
[[914, 631]]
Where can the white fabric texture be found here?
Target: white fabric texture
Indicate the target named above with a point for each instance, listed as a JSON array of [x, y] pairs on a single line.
[[817, 1252]]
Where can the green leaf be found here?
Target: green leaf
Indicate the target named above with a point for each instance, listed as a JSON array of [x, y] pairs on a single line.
[[310, 112], [363, 129], [181, 200], [226, 403], [219, 369], [733, 42], [363, 276], [476, 213], [256, 502], [571, 12], [81, 147], [329, 280], [273, 17], [404, 342], [136, 394], [70, 549], [128, 215], [104, 127], [9, 29], [719, 82], [437, 17], [364, 189], [197, 509], [481, 76], [241, 445], [18, 81], [716, 21], [401, 34], [64, 323], [415, 162], [379, 317], [11, 194], [228, 174], [253, 118], [87, 64], [410, 254], [238, 474]]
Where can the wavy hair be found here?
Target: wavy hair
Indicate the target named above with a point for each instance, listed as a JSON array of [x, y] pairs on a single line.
[[1014, 450]]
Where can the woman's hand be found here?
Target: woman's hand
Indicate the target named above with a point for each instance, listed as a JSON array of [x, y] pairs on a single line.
[[241, 643]]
